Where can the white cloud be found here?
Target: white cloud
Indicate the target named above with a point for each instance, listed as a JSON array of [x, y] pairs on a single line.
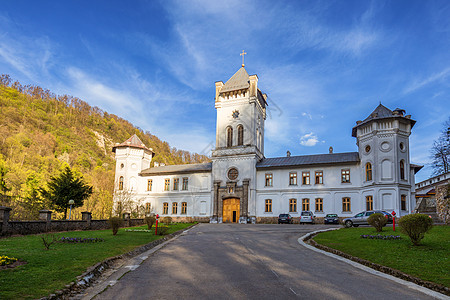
[[309, 140], [419, 83]]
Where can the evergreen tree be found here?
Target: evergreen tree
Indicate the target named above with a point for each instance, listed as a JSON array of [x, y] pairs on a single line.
[[66, 187]]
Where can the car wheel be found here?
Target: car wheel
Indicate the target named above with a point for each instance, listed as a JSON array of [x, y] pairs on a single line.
[[348, 224]]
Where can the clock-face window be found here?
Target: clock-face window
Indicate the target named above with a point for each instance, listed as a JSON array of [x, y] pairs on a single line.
[[235, 114], [233, 174], [367, 148]]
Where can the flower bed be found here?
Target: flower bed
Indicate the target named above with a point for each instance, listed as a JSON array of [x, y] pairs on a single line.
[[380, 237], [74, 240], [5, 260], [139, 230]]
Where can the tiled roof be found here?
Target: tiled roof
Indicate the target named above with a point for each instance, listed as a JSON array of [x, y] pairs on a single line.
[[239, 81], [303, 160], [133, 141], [382, 112], [178, 169]]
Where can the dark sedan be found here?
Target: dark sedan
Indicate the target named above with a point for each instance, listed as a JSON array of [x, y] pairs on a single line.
[[285, 218], [331, 219]]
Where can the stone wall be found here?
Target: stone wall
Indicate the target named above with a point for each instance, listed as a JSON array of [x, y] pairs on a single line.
[[443, 203], [46, 224]]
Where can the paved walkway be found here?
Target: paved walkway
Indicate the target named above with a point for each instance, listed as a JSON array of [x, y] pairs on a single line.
[[232, 261]]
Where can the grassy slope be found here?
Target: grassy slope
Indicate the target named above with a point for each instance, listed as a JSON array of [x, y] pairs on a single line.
[[50, 270], [430, 261]]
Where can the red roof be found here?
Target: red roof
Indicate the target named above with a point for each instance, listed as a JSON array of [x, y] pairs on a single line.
[[135, 142]]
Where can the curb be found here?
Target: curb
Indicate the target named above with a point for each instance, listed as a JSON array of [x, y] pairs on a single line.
[[432, 289], [92, 273]]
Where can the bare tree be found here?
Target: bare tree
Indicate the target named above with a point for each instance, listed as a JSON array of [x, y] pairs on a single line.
[[440, 152]]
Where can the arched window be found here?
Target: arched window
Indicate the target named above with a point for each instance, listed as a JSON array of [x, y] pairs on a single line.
[[240, 129], [229, 137], [368, 171], [120, 183], [402, 169]]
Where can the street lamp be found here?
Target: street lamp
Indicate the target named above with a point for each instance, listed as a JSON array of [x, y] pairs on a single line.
[[71, 202]]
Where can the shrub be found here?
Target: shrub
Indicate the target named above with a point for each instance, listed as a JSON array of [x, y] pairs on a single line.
[[163, 230], [415, 226], [150, 220], [116, 223], [48, 239], [378, 221], [5, 260], [166, 220]]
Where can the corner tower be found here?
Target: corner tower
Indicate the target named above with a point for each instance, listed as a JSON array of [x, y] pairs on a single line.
[[241, 112], [383, 146], [132, 156]]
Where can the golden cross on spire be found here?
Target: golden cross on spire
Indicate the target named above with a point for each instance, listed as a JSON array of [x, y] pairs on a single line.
[[242, 54]]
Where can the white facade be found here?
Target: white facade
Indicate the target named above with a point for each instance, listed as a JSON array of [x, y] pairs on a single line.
[[240, 183]]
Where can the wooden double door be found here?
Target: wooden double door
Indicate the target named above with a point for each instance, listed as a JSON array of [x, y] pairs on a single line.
[[231, 209]]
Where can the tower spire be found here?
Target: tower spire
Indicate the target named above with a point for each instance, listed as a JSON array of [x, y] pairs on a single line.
[[242, 54]]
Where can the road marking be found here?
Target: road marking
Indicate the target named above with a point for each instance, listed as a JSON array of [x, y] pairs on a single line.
[[409, 284], [275, 273], [293, 291]]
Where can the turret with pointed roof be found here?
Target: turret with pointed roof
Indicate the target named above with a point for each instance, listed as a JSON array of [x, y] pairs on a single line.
[[134, 142]]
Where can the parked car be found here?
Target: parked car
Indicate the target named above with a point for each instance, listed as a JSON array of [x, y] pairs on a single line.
[[285, 218], [307, 217], [361, 218], [331, 219]]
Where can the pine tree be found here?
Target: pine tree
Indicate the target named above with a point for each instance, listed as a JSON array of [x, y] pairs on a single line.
[[66, 187]]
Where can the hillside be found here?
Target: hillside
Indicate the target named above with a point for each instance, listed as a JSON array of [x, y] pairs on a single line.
[[40, 132]]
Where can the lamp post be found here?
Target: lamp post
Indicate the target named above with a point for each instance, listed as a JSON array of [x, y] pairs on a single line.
[[71, 202]]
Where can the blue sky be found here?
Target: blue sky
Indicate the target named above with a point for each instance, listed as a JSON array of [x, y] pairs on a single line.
[[323, 64]]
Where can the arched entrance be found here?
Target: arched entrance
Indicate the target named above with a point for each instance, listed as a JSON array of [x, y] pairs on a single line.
[[231, 209]]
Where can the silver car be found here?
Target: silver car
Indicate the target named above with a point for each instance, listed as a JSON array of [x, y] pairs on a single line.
[[361, 218], [307, 217]]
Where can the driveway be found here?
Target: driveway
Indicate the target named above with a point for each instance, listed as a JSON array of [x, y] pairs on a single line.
[[234, 261]]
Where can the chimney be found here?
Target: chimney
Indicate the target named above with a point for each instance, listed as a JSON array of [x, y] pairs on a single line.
[[288, 153], [330, 150]]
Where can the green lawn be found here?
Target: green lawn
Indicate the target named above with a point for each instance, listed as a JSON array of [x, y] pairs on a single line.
[[50, 270], [429, 261]]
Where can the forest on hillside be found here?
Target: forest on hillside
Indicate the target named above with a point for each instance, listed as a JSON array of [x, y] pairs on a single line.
[[41, 133]]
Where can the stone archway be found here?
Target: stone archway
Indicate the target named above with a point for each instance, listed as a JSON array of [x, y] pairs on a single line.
[[231, 210]]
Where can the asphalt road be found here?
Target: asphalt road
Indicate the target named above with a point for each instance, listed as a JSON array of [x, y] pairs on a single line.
[[233, 261]]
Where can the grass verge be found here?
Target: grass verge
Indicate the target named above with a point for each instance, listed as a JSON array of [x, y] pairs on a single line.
[[49, 270], [430, 261]]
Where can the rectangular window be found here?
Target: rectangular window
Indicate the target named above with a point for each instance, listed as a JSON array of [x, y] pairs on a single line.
[[319, 177], [305, 204], [319, 204], [185, 184], [166, 184], [165, 208], [369, 202], [305, 177], [149, 185], [148, 208], [269, 179], [174, 208], [403, 202], [293, 178], [176, 183], [292, 205], [345, 176], [268, 205], [346, 204], [183, 208]]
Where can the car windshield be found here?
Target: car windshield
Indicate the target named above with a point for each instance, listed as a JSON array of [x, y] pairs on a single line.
[[331, 216], [283, 216], [306, 213]]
